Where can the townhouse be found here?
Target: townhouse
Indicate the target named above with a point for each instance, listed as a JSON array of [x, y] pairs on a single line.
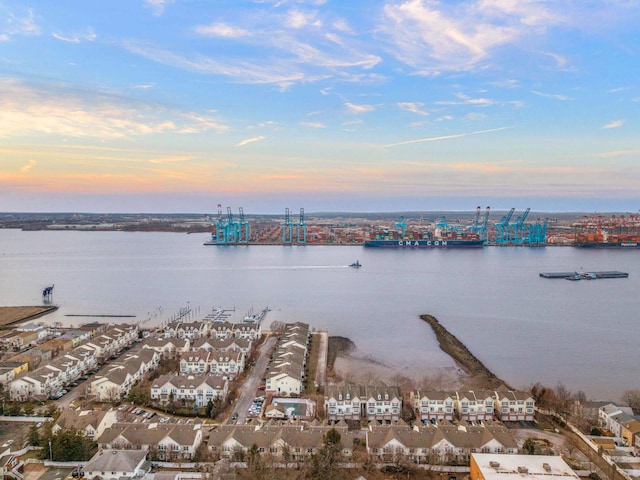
[[287, 442], [190, 330], [90, 423], [348, 401], [222, 330], [195, 362], [434, 406], [247, 330], [221, 345], [473, 406], [198, 389], [229, 363], [513, 406], [162, 441], [168, 347], [437, 443], [11, 369]]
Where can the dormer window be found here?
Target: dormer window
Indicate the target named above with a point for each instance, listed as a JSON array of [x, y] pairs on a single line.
[[348, 396], [340, 397], [379, 397], [386, 396]]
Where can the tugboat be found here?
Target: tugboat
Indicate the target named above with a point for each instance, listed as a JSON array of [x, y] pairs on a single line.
[[356, 264]]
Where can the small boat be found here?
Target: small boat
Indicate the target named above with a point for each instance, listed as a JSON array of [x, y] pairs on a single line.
[[356, 264]]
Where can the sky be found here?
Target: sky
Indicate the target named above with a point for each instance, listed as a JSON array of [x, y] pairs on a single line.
[[328, 105]]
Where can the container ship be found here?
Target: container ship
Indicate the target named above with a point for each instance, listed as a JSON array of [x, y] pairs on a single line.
[[425, 239], [614, 232]]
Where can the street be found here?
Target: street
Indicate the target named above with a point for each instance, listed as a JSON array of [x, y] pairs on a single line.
[[250, 386]]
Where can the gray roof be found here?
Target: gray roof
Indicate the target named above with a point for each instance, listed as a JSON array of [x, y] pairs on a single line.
[[116, 461]]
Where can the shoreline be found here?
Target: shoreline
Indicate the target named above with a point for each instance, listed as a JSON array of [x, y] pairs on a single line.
[[479, 376], [10, 316]]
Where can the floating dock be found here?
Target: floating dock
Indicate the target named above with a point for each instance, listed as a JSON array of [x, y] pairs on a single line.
[[585, 275]]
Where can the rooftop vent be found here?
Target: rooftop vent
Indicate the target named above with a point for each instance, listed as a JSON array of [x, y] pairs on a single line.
[[523, 470], [494, 464], [547, 467]]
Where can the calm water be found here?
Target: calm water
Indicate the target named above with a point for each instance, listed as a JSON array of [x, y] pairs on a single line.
[[524, 328]]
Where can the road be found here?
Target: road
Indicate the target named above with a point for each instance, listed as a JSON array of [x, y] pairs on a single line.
[[321, 369], [250, 387]]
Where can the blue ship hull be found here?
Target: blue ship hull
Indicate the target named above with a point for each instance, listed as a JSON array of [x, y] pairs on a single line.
[[424, 243]]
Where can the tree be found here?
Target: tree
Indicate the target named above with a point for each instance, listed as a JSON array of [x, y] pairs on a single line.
[[632, 399], [14, 409], [529, 446], [209, 408], [34, 436], [28, 408], [324, 464], [68, 446]]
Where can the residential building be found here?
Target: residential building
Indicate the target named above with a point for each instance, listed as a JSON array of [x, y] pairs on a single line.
[[514, 406], [195, 362], [230, 363], [355, 402], [473, 406], [117, 464], [90, 423], [434, 406], [168, 347], [191, 388], [486, 466]]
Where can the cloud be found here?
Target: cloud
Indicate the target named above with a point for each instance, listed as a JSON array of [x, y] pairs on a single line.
[[157, 6], [413, 107], [551, 95], [17, 24], [297, 19], [90, 36], [28, 109], [618, 153], [433, 35], [221, 30], [614, 124], [466, 100], [313, 124], [4, 37], [28, 166], [353, 108], [250, 140], [444, 137]]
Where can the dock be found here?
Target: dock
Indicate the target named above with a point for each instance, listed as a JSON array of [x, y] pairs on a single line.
[[585, 275]]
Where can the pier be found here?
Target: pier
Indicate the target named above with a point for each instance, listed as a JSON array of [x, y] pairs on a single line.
[[584, 275]]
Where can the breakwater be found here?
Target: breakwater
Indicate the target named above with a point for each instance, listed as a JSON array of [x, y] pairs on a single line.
[[479, 376]]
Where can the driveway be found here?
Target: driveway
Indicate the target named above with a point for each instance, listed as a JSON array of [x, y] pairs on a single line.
[[250, 387]]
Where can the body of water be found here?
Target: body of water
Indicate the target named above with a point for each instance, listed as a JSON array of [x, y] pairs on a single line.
[[526, 329]]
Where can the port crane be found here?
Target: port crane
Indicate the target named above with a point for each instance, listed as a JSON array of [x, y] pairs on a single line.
[[502, 227], [287, 228], [242, 229], [301, 236], [401, 225]]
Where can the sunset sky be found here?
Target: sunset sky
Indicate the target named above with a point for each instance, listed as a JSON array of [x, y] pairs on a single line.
[[329, 105]]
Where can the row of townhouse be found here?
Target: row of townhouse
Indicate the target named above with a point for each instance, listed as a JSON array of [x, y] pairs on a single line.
[[220, 330], [115, 381], [286, 373], [48, 379], [348, 401], [174, 347], [204, 361], [437, 443], [472, 406], [621, 422], [168, 441], [289, 442], [191, 388]]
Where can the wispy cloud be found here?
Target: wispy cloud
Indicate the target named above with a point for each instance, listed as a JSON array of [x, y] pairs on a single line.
[[250, 140], [618, 153], [23, 23], [89, 36], [313, 124], [467, 100], [432, 36], [354, 108], [551, 95], [221, 30], [413, 107], [614, 124], [44, 110], [157, 6], [28, 166], [444, 137]]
